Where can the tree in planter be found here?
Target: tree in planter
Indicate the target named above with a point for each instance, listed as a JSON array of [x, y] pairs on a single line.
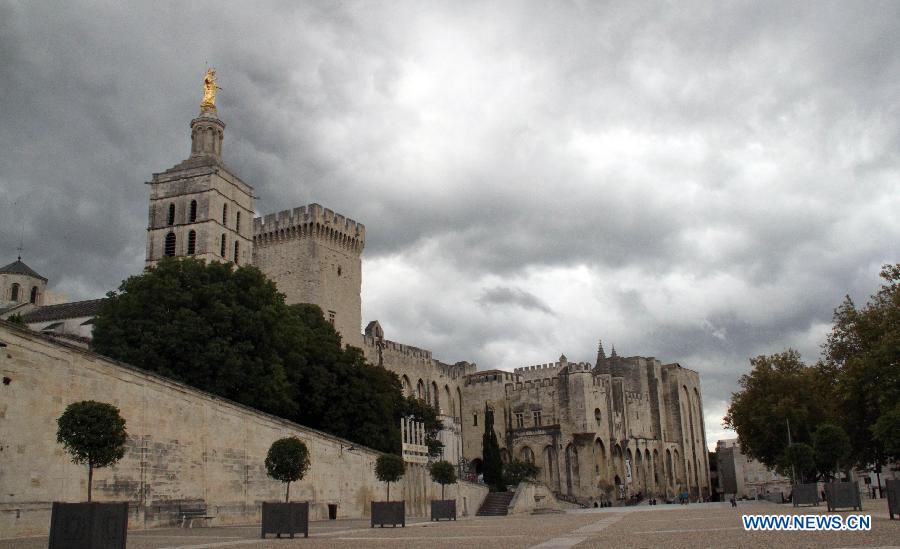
[[443, 473], [492, 466], [389, 468], [93, 433], [287, 461], [518, 471], [832, 449]]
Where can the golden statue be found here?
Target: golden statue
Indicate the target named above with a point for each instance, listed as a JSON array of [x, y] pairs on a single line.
[[209, 91]]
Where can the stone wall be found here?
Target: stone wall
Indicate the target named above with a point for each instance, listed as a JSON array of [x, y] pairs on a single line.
[[184, 446]]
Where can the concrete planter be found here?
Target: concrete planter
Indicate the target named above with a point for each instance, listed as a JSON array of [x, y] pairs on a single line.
[[285, 518], [389, 512], [806, 494], [88, 525], [843, 495], [893, 497], [443, 509]]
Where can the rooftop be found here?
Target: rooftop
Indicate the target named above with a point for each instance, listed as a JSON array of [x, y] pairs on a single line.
[[76, 309], [19, 268]]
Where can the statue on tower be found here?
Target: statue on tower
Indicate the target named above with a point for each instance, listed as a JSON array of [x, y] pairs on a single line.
[[209, 91]]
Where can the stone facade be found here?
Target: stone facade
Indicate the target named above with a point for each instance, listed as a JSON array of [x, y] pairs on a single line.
[[747, 478], [605, 432], [21, 288], [184, 447]]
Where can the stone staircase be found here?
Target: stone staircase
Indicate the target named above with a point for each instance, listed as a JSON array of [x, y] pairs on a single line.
[[495, 504]]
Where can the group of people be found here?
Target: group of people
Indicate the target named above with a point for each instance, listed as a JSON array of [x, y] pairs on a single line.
[[684, 497]]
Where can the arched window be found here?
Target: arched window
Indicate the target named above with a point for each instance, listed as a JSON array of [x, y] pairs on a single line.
[[192, 242], [170, 219], [34, 292], [527, 455], [222, 247], [225, 214], [170, 245], [237, 222], [14, 293], [236, 251], [193, 211]]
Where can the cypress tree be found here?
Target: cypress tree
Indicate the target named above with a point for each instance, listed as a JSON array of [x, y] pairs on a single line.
[[492, 466]]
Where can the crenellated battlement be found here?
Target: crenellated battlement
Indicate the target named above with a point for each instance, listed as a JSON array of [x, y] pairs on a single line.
[[550, 366], [312, 221], [490, 377], [530, 384]]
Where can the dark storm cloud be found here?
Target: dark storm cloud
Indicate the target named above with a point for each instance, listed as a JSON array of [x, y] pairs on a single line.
[[513, 296], [701, 182]]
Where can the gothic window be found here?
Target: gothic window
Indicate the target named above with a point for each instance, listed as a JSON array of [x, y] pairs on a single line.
[[193, 211], [339, 270], [237, 222], [520, 420], [225, 215], [331, 317], [236, 251], [222, 247], [192, 242], [170, 219], [475, 419], [34, 292], [536, 414], [597, 415], [170, 245], [14, 293]]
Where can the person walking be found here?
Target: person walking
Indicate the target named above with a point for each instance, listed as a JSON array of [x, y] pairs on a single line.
[[733, 502]]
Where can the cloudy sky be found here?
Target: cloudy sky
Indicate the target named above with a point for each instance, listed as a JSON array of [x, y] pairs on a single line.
[[697, 182]]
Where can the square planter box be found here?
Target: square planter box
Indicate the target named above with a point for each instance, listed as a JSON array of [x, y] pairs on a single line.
[[88, 525], [806, 494], [443, 509], [285, 518], [389, 512], [842, 494], [893, 497]]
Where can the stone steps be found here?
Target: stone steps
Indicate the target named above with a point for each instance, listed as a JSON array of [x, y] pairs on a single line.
[[496, 504]]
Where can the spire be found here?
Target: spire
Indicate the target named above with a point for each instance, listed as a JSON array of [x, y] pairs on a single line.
[[601, 354], [207, 130], [613, 354]]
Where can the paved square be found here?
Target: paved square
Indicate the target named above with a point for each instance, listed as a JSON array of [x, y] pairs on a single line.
[[667, 526]]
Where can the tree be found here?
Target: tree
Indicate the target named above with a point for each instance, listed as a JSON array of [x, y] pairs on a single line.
[[93, 433], [228, 331], [832, 448], [389, 468], [287, 461], [518, 471], [492, 466], [799, 461], [779, 389], [16, 319], [443, 473], [887, 432], [862, 354]]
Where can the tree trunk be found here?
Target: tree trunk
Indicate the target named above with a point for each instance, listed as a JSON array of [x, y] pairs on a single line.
[[442, 491], [90, 479], [287, 492]]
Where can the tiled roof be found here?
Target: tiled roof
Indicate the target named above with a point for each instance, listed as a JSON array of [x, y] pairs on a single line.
[[62, 311], [19, 268]]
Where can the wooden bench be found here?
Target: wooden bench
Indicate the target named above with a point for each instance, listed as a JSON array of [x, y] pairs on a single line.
[[190, 513]]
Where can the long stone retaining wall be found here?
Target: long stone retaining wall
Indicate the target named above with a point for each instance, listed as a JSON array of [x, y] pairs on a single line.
[[184, 447]]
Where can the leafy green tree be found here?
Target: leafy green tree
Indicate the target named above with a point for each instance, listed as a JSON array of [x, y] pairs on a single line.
[[492, 466], [832, 448], [887, 432], [799, 461], [779, 388], [389, 468], [93, 433], [518, 471], [443, 473], [16, 319], [228, 331], [862, 353], [287, 461]]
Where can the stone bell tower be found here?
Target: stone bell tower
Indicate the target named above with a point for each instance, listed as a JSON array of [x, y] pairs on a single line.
[[198, 208]]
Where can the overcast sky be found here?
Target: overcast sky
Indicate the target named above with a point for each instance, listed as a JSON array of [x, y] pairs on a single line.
[[697, 182]]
